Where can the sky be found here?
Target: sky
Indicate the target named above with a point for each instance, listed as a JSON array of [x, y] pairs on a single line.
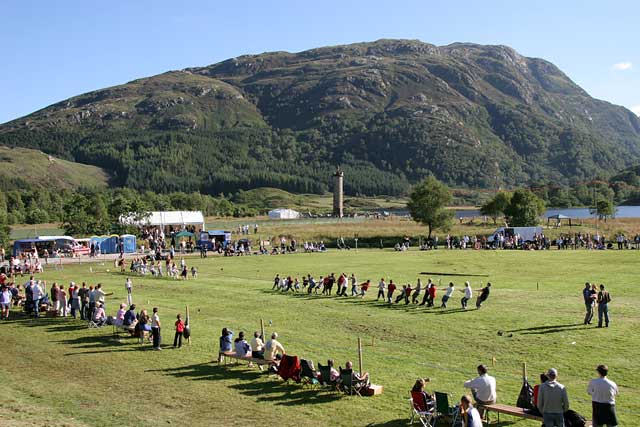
[[52, 50]]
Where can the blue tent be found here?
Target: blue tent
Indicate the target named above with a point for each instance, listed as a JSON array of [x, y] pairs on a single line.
[[129, 243]]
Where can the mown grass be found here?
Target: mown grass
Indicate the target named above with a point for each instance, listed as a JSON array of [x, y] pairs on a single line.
[[58, 372]]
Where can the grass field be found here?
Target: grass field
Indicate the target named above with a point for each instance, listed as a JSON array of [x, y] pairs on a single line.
[[58, 372]]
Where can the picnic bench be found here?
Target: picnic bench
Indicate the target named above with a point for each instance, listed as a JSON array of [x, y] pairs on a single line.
[[514, 411]]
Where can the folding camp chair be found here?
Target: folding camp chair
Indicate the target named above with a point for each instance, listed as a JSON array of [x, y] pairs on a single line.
[[347, 384], [444, 411], [426, 418], [307, 373], [325, 378]]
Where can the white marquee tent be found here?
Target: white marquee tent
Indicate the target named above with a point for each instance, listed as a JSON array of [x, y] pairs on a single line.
[[164, 218], [284, 214]]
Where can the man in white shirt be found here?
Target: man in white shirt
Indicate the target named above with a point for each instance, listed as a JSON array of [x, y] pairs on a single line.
[[483, 388], [603, 393]]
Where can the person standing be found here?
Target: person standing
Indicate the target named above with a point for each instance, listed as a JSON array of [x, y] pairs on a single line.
[[381, 288], [603, 306], [603, 393], [155, 329], [390, 289], [416, 292], [448, 293], [75, 299], [588, 303], [83, 294], [36, 295], [354, 285], [553, 400], [128, 285], [177, 339], [468, 294]]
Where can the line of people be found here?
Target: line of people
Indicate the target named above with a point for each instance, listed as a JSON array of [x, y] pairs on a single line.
[[407, 293]]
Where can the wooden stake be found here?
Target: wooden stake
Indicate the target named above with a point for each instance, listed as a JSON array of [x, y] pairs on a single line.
[[493, 361], [262, 328], [360, 354], [537, 286], [524, 370], [188, 323]]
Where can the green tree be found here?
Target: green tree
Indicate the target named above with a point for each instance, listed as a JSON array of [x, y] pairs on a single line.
[[524, 209], [4, 223], [428, 204], [605, 209], [495, 207], [76, 219]]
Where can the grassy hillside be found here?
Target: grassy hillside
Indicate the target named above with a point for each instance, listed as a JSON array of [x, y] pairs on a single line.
[[388, 112], [538, 306], [37, 169]]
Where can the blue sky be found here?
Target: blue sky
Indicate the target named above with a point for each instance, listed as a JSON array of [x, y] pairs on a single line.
[[53, 50]]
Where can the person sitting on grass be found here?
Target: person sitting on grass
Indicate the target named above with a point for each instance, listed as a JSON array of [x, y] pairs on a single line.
[[422, 400], [242, 347], [470, 415], [273, 349]]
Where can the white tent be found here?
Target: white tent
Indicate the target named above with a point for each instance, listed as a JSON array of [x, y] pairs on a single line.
[[284, 214], [164, 218]]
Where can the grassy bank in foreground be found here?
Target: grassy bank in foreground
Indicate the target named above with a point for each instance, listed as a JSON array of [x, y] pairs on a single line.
[[58, 372]]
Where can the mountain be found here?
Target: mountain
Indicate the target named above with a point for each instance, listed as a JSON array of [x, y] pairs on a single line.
[[388, 112], [21, 168]]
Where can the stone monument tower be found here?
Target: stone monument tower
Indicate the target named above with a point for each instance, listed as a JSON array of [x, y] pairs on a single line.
[[338, 193]]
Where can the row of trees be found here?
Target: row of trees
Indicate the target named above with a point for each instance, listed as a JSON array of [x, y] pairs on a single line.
[[429, 201]]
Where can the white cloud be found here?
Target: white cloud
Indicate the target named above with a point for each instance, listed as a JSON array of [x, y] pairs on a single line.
[[623, 66], [636, 110]]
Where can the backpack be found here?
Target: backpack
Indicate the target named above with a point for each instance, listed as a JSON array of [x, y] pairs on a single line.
[[525, 399], [574, 419]]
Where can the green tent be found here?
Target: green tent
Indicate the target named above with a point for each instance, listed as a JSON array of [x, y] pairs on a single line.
[[184, 234]]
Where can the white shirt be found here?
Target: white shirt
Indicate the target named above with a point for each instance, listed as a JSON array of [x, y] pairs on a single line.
[[381, 285], [467, 292], [128, 284], [155, 320], [603, 390], [485, 387], [450, 290]]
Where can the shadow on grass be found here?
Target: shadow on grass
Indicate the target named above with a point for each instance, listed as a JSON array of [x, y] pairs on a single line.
[[549, 329], [405, 421], [285, 394], [209, 371]]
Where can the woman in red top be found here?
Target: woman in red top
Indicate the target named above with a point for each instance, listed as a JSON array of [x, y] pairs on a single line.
[[536, 390], [177, 340]]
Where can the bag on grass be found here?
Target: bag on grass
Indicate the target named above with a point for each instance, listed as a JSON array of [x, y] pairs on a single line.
[[574, 419]]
